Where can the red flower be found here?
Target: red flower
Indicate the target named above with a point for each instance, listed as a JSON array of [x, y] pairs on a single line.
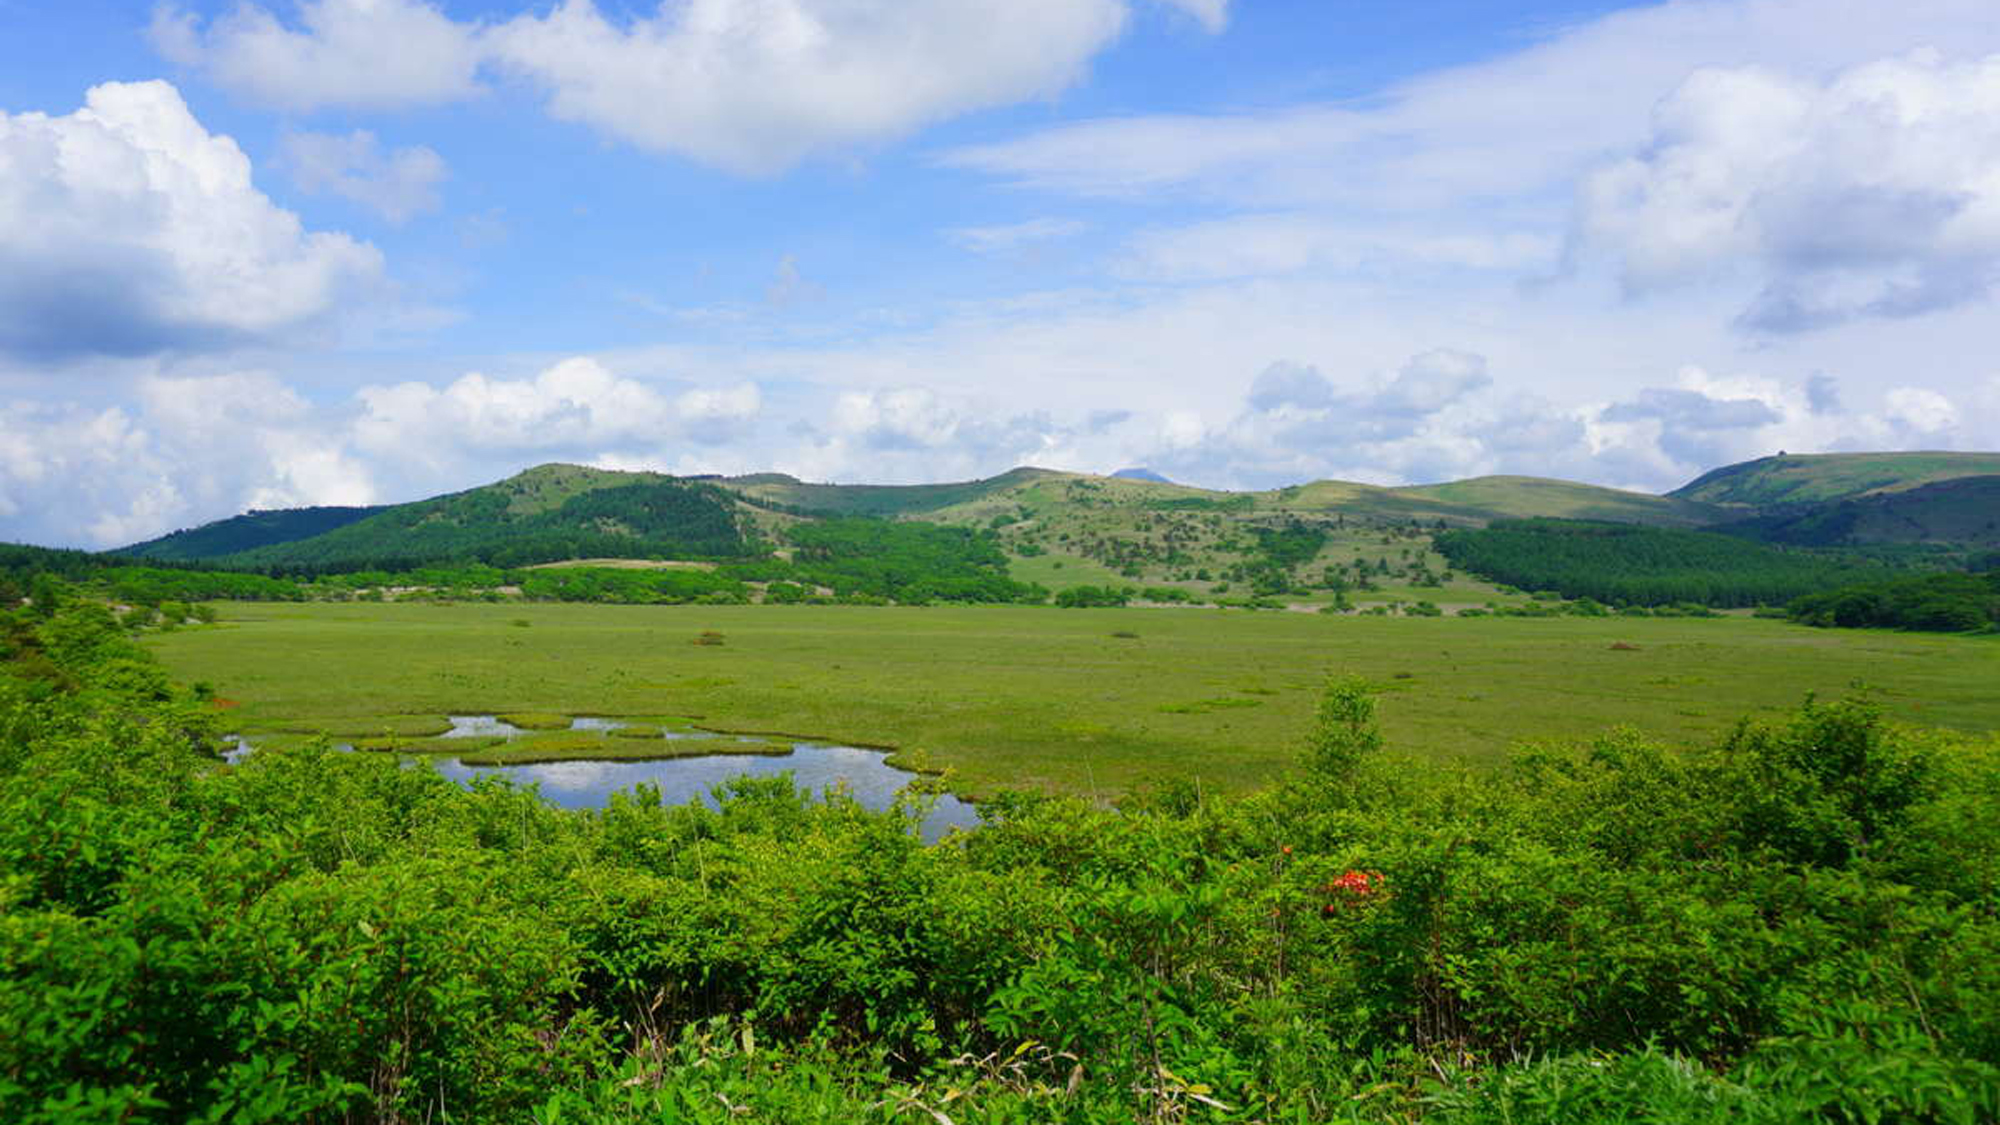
[[1352, 888]]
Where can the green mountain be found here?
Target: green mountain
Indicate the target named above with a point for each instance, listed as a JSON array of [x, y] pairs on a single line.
[[1796, 478], [253, 529], [1525, 497], [884, 500], [1962, 512], [548, 513], [1063, 529]]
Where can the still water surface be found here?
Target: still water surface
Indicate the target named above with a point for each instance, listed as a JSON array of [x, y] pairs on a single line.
[[814, 767]]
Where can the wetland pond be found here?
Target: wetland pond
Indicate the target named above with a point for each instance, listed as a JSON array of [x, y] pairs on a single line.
[[583, 782]]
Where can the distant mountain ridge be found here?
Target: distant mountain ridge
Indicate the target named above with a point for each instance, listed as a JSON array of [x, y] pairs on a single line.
[[557, 511], [253, 529], [1790, 479], [1962, 511]]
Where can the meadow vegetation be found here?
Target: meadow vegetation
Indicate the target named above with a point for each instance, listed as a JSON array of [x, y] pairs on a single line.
[[1793, 921], [1058, 700], [1515, 828]]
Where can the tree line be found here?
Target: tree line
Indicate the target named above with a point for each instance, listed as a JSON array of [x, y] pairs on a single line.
[[1625, 564], [680, 520], [1934, 603]]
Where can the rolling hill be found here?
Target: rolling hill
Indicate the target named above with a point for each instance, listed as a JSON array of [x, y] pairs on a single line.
[[1522, 497], [545, 514], [883, 500], [1063, 528], [1794, 479], [1962, 512], [249, 531]]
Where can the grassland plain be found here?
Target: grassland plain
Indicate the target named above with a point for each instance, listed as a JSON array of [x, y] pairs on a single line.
[[1047, 698]]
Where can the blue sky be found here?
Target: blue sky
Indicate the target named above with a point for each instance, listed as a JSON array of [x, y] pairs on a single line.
[[342, 251]]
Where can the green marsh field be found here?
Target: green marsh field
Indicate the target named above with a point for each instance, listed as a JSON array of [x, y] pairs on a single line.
[[1081, 701]]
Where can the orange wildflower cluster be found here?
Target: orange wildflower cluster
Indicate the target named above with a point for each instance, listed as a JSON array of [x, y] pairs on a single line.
[[1352, 888]]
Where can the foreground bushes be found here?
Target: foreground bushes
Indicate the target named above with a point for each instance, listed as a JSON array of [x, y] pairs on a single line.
[[1796, 925]]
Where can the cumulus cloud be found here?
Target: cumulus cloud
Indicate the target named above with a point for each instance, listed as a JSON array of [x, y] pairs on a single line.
[[753, 86], [1873, 193], [1440, 417], [577, 404], [1921, 411], [1384, 409], [363, 54], [1823, 394], [185, 449], [182, 452], [1692, 410], [915, 434], [396, 184], [1524, 121], [127, 229], [1413, 423], [750, 86]]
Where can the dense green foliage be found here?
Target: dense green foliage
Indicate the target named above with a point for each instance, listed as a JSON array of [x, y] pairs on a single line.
[[19, 562], [659, 519], [1937, 603], [1623, 564], [116, 578], [903, 561], [1801, 924], [1963, 512], [247, 532], [628, 587]]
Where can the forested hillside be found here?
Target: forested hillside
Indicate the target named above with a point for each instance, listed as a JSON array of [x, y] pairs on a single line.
[[1626, 565], [1963, 512], [1336, 544], [661, 518], [247, 532], [1938, 603]]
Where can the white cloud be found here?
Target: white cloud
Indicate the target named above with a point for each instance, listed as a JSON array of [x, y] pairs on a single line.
[[753, 86], [127, 229], [183, 452], [1213, 15], [1296, 424], [1440, 417], [1525, 122], [1263, 245], [1876, 192], [1013, 236], [1923, 412], [574, 410], [396, 184], [575, 403], [364, 54]]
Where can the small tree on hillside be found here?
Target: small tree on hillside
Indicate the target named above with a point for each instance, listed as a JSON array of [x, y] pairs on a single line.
[[1344, 733]]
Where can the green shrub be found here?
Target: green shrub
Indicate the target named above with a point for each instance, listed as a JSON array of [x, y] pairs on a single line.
[[535, 720]]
